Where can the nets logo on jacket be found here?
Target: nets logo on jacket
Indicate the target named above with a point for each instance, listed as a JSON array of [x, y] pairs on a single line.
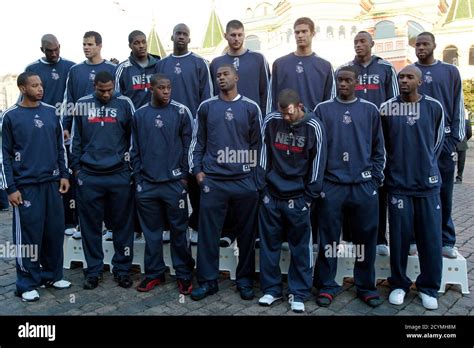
[[368, 82], [140, 82], [289, 142], [428, 78], [54, 75], [92, 75], [177, 69], [106, 115], [300, 68]]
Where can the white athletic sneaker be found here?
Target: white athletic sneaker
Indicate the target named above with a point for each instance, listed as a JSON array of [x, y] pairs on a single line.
[[413, 250], [267, 300], [30, 296], [166, 236], [429, 302], [397, 297], [382, 250], [60, 284], [194, 236], [450, 252], [77, 235], [70, 231], [297, 307], [108, 236]]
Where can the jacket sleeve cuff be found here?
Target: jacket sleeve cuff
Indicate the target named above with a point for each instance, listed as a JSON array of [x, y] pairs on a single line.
[[11, 189], [197, 170]]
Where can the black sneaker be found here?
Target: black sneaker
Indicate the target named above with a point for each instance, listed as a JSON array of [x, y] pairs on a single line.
[[246, 293], [205, 289], [91, 283], [124, 280]]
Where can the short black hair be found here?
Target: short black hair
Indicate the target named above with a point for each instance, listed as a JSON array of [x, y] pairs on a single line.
[[103, 77], [366, 32], [231, 66], [157, 77], [349, 68], [288, 97], [22, 79], [134, 34], [427, 33], [234, 24], [95, 35]]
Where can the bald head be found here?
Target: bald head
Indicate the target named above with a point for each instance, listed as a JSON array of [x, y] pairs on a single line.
[[413, 70], [49, 39], [181, 27], [180, 39], [50, 47], [409, 79]]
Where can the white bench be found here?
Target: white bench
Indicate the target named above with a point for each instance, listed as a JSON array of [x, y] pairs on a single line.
[[73, 252], [454, 270]]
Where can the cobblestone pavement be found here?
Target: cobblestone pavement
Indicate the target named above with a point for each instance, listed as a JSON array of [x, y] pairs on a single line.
[[110, 299]]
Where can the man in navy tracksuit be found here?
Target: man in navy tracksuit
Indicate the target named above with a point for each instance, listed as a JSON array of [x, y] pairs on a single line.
[[377, 83], [99, 159], [162, 131], [308, 74], [34, 161], [53, 70], [354, 172], [443, 82], [251, 66], [80, 82], [254, 82], [413, 126], [133, 76], [192, 84], [223, 156], [293, 158], [132, 80], [304, 71]]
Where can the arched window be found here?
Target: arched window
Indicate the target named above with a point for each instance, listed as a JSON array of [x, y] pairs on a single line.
[[450, 55], [252, 42], [471, 55], [353, 31], [342, 32], [384, 30], [248, 13], [413, 30], [329, 32]]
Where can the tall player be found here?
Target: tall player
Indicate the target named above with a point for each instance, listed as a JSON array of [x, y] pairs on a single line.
[[53, 70], [443, 82], [377, 83], [305, 72], [80, 82], [254, 82], [192, 84]]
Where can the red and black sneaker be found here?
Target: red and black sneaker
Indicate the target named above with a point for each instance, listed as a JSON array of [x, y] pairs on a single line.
[[185, 286], [149, 283]]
